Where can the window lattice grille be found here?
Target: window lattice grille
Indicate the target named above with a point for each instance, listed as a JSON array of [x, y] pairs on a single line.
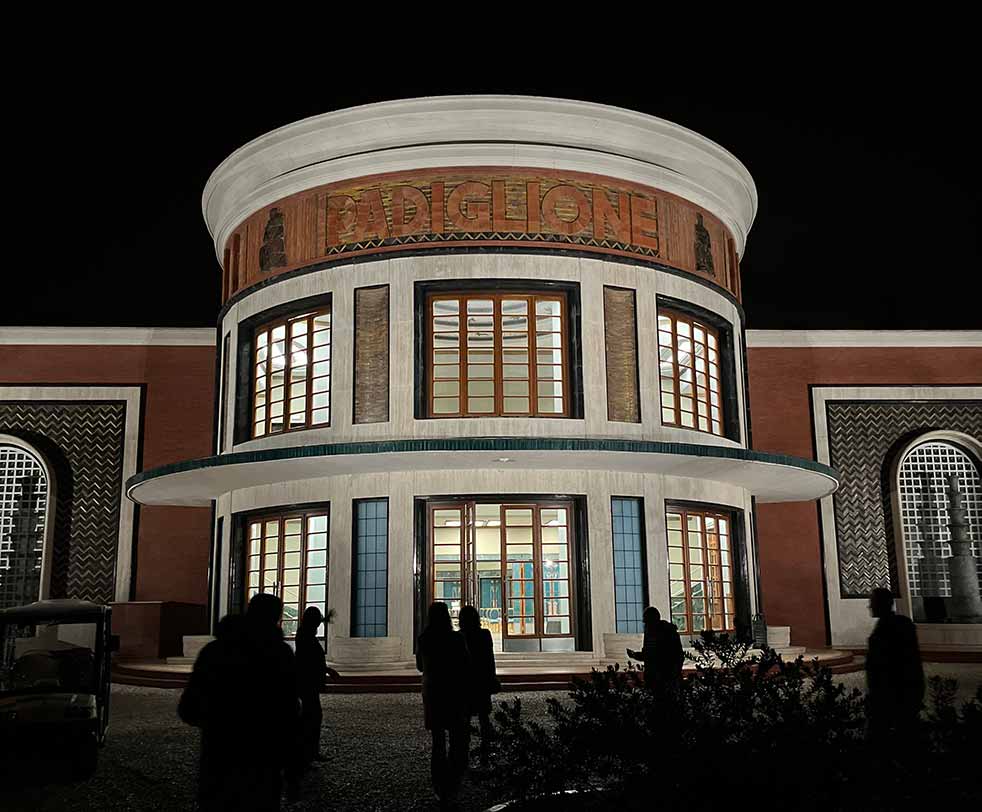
[[23, 507], [923, 481]]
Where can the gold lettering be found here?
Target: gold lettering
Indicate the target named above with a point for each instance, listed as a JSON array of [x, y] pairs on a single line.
[[340, 218], [565, 210], [499, 210], [644, 233], [371, 217], [606, 218], [468, 207], [419, 221]]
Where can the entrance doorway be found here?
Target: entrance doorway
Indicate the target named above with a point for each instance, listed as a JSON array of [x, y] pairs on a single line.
[[512, 562]]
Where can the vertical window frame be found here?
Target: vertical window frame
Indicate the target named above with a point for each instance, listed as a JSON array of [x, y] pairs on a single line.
[[532, 296], [730, 603], [282, 516], [693, 322], [267, 328]]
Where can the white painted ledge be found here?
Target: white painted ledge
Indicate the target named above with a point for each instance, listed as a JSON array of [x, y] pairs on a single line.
[[864, 338], [455, 131], [109, 336]]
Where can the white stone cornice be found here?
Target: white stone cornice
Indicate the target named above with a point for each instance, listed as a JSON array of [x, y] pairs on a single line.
[[444, 131], [110, 336], [864, 338]]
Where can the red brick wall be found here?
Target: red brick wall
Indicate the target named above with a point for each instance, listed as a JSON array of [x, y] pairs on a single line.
[[173, 543], [790, 545]]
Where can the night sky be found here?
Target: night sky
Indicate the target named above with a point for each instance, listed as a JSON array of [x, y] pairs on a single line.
[[867, 177]]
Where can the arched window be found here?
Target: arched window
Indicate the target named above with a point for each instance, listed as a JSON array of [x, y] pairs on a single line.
[[922, 480], [24, 499]]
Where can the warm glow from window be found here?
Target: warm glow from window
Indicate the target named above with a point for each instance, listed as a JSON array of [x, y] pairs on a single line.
[[700, 564], [292, 374], [288, 557], [688, 354], [497, 354]]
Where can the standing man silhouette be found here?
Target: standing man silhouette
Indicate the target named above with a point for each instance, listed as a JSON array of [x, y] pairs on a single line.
[[894, 673], [661, 653], [441, 654], [243, 695]]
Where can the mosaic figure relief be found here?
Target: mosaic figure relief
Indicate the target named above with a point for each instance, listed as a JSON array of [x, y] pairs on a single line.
[[273, 252], [704, 248]]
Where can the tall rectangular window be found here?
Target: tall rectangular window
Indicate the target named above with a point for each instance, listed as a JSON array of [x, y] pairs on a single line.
[[292, 374], [223, 397], [287, 556], [497, 354], [370, 570], [700, 563], [689, 361], [629, 577]]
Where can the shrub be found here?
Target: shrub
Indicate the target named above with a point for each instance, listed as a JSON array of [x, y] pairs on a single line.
[[753, 724]]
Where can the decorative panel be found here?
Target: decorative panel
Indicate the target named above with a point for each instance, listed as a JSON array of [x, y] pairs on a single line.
[[863, 436], [480, 206], [372, 355], [621, 346], [84, 444]]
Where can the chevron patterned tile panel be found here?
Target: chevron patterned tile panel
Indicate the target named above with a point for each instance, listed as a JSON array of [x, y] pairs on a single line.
[[863, 437], [84, 443]]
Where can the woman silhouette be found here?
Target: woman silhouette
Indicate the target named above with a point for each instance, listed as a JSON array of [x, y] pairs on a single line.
[[483, 680], [441, 654]]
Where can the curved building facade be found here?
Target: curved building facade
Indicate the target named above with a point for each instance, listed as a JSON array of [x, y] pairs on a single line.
[[485, 350]]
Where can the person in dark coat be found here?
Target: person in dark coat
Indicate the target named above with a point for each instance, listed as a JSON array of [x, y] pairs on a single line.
[[483, 680], [661, 653], [243, 695], [894, 673], [441, 654]]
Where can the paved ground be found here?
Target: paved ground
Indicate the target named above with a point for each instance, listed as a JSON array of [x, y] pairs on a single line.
[[379, 755]]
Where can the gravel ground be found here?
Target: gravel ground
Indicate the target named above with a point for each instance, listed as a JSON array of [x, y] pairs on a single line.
[[379, 755]]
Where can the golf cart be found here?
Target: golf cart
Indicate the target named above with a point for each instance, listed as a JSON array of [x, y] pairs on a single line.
[[54, 681]]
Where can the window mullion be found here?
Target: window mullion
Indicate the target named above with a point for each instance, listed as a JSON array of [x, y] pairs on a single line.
[[533, 357], [309, 377], [463, 370], [497, 342]]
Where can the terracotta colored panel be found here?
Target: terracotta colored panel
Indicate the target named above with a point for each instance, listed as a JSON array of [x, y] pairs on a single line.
[[371, 373], [621, 346]]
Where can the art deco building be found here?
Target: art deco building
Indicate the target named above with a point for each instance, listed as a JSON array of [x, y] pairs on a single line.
[[491, 350]]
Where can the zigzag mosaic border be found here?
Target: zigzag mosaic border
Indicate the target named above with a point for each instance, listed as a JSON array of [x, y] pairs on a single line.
[[84, 443], [863, 436]]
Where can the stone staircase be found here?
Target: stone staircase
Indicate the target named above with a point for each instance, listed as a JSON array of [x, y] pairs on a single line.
[[376, 667]]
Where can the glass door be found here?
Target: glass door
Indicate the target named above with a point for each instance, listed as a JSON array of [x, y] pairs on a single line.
[[512, 562]]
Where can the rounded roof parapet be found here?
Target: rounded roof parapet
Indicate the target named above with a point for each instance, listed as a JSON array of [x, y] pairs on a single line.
[[446, 131]]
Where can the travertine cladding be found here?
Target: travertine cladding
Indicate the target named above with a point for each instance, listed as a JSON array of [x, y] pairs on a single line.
[[403, 487], [401, 274]]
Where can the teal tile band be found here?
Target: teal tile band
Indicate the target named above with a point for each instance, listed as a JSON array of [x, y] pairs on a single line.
[[482, 444]]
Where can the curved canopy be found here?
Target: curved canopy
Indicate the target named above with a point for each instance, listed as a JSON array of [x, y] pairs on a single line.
[[769, 477]]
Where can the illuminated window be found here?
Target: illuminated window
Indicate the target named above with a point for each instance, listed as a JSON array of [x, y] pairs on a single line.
[[292, 374], [287, 556], [23, 513], [689, 361], [510, 561], [497, 354], [923, 482], [700, 563]]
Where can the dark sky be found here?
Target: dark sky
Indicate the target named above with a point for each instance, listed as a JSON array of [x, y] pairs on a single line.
[[866, 170]]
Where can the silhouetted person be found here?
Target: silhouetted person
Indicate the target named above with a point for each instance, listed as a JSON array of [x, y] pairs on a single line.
[[482, 680], [243, 695], [661, 653], [441, 654], [894, 673], [311, 679]]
